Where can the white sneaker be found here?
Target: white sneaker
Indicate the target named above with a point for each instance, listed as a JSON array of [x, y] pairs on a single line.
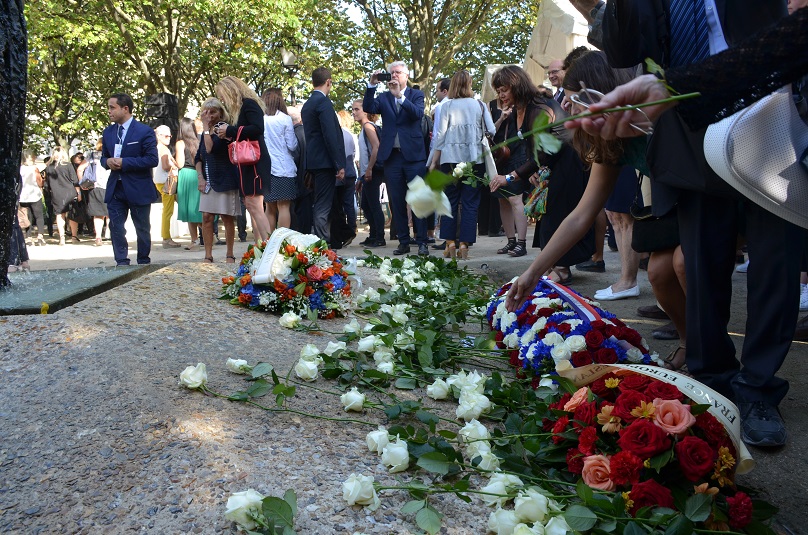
[[742, 268], [803, 296], [607, 294]]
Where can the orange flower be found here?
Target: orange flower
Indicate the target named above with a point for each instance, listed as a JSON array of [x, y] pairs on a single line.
[[705, 488], [308, 291], [228, 280], [302, 258], [329, 287], [279, 286], [245, 280], [244, 298], [247, 255], [645, 410], [328, 273], [290, 249], [302, 278], [577, 398], [331, 255]]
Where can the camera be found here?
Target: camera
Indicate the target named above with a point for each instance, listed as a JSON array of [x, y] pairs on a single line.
[[384, 77], [217, 126]]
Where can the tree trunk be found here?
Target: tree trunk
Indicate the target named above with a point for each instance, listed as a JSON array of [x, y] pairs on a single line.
[[13, 82]]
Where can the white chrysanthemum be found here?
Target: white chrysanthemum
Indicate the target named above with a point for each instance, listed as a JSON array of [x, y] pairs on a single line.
[[511, 340]]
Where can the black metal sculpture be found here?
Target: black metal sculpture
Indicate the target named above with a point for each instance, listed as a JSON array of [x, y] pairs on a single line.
[[13, 83]]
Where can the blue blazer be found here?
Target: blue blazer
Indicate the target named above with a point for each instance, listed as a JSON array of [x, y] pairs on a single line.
[[139, 154], [324, 146], [406, 123]]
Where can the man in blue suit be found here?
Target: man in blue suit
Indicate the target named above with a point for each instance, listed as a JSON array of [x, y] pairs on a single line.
[[130, 151], [325, 152], [401, 147]]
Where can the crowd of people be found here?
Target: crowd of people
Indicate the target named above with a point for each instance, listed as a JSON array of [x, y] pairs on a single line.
[[306, 169]]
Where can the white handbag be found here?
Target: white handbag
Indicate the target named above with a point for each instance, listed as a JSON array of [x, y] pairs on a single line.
[[756, 151], [488, 158]]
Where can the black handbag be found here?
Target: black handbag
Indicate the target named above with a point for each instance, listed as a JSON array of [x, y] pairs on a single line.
[[650, 233]]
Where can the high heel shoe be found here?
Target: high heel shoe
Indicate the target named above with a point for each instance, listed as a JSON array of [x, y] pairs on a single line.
[[451, 250], [463, 251]]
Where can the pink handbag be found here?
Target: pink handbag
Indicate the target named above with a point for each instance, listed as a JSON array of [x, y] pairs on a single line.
[[244, 152]]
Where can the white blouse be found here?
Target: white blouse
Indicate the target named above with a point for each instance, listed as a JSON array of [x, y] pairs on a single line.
[[279, 136], [460, 130]]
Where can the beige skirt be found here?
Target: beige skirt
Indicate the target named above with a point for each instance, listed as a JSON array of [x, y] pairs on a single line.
[[222, 203]]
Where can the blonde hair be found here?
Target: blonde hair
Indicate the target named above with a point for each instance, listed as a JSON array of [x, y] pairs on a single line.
[[345, 119], [460, 86], [215, 103], [59, 156], [232, 91]]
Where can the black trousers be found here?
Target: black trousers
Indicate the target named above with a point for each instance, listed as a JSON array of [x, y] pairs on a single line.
[[708, 226]]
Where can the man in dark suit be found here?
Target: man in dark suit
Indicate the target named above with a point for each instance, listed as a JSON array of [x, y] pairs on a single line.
[[401, 147], [325, 152], [555, 73], [302, 214], [675, 33], [129, 150]]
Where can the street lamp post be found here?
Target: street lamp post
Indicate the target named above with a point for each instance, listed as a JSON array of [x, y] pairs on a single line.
[[289, 61]]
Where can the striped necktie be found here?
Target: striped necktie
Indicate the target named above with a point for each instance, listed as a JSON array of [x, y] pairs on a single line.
[[689, 40]]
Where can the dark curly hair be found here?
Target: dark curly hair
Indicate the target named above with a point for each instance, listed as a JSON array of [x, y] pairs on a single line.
[[523, 89]]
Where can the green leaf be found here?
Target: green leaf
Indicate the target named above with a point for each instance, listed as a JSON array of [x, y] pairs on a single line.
[[278, 510], [659, 461], [607, 525], [756, 527], [259, 388], [584, 492], [291, 498], [260, 369], [406, 383], [763, 510], [698, 507], [413, 506], [695, 410], [681, 525], [239, 396], [428, 520], [547, 143], [437, 180], [653, 67], [434, 462], [634, 528], [580, 518], [427, 417]]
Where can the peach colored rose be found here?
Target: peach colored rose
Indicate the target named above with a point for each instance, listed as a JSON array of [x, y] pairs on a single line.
[[314, 273], [577, 398], [672, 417], [596, 473]]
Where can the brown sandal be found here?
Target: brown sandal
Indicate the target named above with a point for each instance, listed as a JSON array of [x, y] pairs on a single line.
[[208, 259], [230, 259], [670, 361], [560, 276]]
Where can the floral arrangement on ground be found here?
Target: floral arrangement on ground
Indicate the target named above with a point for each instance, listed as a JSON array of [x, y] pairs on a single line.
[[306, 277], [599, 448]]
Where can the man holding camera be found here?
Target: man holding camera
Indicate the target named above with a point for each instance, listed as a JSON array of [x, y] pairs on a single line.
[[401, 147]]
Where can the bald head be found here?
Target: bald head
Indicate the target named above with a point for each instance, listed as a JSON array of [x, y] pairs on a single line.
[[555, 73]]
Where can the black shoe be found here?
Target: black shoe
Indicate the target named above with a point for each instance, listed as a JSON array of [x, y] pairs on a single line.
[[379, 243], [402, 248], [366, 242], [761, 425], [218, 241], [666, 332], [423, 250], [441, 247], [508, 247], [593, 266], [430, 240], [652, 311], [519, 250], [348, 242]]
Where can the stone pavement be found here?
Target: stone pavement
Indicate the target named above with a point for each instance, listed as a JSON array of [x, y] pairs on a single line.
[[97, 437]]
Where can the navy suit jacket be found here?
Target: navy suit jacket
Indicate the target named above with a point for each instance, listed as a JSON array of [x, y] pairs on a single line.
[[139, 156], [406, 123], [324, 146]]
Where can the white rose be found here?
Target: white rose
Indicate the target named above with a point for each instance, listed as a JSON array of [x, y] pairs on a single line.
[[488, 461], [372, 295], [238, 366], [548, 383], [472, 404], [405, 340], [383, 354], [359, 490], [378, 439], [194, 376], [429, 266], [463, 380], [563, 365], [560, 352], [474, 430], [306, 369], [333, 347], [240, 505], [557, 526], [290, 320], [386, 367], [524, 529], [575, 343], [425, 201], [477, 448], [553, 339], [438, 390], [634, 355], [310, 352], [368, 343], [280, 268], [352, 327], [502, 522], [396, 456], [353, 400], [530, 506]]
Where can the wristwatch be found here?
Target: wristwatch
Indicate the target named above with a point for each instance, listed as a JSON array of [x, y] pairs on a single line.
[[510, 178]]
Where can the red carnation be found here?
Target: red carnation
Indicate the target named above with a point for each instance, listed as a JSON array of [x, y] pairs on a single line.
[[634, 382], [514, 359], [545, 312], [531, 320], [585, 413], [714, 432], [606, 355], [625, 468], [564, 328], [662, 390], [547, 424], [593, 339], [552, 295], [559, 427], [649, 493], [627, 402], [696, 457], [644, 439], [504, 290], [740, 510], [559, 405], [587, 439], [581, 358], [575, 461]]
